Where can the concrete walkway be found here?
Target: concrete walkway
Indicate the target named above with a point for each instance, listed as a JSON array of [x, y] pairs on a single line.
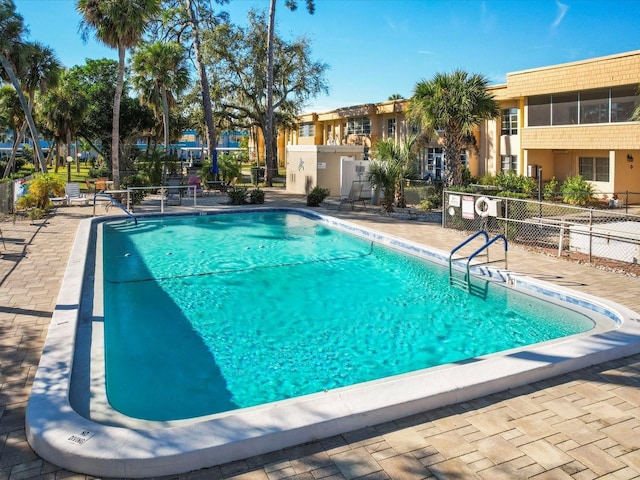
[[581, 426]]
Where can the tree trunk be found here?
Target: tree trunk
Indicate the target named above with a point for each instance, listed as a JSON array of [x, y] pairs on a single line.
[[115, 132], [453, 172], [57, 165], [14, 149], [165, 118], [50, 154], [204, 85], [68, 153], [27, 112], [270, 161], [77, 159]]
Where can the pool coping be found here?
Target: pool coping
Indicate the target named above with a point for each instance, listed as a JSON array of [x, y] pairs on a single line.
[[63, 437]]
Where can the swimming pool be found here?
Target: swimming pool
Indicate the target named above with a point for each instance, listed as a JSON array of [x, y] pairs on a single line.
[[80, 440], [281, 297]]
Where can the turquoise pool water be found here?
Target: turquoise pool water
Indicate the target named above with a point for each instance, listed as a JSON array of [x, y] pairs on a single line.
[[212, 313]]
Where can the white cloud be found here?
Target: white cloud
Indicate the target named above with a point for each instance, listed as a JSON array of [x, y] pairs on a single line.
[[562, 11]]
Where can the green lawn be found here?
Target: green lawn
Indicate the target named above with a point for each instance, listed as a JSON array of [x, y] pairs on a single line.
[[80, 176]]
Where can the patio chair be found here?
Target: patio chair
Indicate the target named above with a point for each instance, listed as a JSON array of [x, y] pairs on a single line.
[[101, 184], [73, 195], [355, 195], [174, 195], [57, 201], [195, 183]]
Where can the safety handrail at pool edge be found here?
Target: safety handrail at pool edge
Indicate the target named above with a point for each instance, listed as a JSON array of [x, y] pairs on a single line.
[[115, 202], [478, 233], [467, 282], [486, 246]]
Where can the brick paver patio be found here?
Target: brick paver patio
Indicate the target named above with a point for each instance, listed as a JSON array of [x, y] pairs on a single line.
[[581, 426]]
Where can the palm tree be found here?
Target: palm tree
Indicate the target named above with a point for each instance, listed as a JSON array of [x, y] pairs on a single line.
[[11, 46], [270, 134], [63, 109], [161, 74], [204, 87], [11, 118], [394, 162], [118, 24], [38, 69], [454, 104], [395, 96]]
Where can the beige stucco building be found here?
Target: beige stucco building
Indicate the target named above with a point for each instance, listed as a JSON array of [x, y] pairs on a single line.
[[567, 120]]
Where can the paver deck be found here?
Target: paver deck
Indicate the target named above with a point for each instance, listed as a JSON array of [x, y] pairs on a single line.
[[582, 425]]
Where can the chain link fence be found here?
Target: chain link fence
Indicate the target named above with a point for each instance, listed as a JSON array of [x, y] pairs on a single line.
[[593, 234], [7, 194]]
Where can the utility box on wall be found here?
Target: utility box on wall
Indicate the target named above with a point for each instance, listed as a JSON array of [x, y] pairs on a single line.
[[317, 165], [493, 207]]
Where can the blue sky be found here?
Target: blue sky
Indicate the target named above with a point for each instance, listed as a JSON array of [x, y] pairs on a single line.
[[375, 48]]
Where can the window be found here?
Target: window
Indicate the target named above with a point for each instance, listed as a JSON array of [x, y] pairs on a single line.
[[612, 105], [464, 159], [434, 163], [510, 121], [595, 169], [509, 163], [564, 109], [539, 111], [594, 106], [359, 126], [307, 130], [391, 127], [624, 101]]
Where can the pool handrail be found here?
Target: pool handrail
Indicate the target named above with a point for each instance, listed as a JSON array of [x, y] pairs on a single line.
[[478, 233], [466, 283], [485, 246], [115, 202]]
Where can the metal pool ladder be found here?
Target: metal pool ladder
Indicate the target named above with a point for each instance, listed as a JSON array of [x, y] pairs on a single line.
[[115, 202], [465, 282]]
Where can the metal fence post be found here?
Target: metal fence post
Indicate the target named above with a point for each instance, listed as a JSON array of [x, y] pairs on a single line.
[[506, 216], [590, 234], [626, 202], [444, 208]]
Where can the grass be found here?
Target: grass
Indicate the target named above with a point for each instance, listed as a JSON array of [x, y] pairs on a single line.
[[83, 173]]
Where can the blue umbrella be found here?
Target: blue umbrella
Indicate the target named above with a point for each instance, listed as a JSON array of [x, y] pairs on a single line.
[[214, 162]]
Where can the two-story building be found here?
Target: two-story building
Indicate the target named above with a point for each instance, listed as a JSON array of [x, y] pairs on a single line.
[[562, 120]]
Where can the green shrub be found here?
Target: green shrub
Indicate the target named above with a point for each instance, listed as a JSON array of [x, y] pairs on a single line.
[[317, 196], [138, 180], [237, 195], [467, 178], [430, 198], [577, 191], [99, 172], [515, 183], [229, 167], [26, 201], [151, 167], [550, 190], [42, 186], [256, 196], [487, 179], [36, 213], [426, 205]]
